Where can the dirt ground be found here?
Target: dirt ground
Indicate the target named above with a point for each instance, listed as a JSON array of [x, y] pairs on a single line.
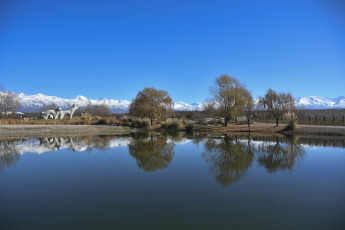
[[272, 129], [9, 131], [18, 131]]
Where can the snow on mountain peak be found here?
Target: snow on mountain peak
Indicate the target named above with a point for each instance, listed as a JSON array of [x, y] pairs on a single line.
[[34, 103]]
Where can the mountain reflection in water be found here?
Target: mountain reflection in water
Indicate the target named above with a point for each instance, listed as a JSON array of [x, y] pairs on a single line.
[[228, 157]]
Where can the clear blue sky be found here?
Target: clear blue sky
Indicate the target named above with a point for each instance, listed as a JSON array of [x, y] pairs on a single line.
[[113, 49]]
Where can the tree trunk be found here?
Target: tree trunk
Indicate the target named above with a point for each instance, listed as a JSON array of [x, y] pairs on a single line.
[[151, 121], [248, 119], [277, 120], [226, 121]]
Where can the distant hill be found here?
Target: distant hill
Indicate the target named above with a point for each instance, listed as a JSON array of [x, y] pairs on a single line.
[[34, 103]]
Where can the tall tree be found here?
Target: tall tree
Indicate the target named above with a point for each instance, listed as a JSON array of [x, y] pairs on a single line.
[[277, 103], [97, 110], [228, 93], [209, 108], [248, 106], [151, 103]]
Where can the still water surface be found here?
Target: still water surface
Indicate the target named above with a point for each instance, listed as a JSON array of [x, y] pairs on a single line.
[[172, 182]]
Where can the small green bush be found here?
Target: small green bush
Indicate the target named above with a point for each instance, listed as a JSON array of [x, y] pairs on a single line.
[[140, 124], [102, 122], [189, 115], [291, 126], [174, 126], [189, 128]]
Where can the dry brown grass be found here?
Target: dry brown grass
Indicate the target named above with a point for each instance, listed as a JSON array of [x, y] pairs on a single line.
[[73, 121]]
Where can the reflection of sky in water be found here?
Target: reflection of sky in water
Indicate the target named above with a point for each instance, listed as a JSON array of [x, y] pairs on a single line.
[[35, 145]]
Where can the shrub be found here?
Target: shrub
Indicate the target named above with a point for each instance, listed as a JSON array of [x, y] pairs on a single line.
[[140, 124], [174, 126], [189, 115], [189, 128], [102, 122], [291, 126]]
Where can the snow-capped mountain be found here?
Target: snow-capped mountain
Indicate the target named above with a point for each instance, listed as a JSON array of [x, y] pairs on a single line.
[[34, 103], [314, 102]]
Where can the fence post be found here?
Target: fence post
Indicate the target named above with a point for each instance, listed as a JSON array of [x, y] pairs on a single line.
[[324, 118]]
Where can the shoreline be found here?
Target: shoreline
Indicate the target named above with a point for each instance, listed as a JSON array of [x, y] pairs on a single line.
[[17, 131], [272, 129]]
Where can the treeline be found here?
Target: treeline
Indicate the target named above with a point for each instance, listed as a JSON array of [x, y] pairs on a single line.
[[229, 99]]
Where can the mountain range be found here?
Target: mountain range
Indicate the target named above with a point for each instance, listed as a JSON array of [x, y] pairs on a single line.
[[34, 103]]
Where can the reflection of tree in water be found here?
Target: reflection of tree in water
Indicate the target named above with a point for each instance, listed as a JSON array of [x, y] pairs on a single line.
[[279, 156], [152, 153], [230, 159], [98, 142], [9, 155]]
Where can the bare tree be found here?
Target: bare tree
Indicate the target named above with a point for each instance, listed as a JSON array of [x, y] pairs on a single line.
[[228, 92], [97, 110], [277, 103], [151, 103], [209, 108], [9, 102], [248, 106]]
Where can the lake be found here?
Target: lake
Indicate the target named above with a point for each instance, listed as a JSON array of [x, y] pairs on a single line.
[[144, 181]]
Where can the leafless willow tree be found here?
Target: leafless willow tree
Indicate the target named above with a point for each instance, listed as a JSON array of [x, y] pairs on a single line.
[[97, 110], [278, 104], [9, 102], [151, 103], [248, 106], [209, 108]]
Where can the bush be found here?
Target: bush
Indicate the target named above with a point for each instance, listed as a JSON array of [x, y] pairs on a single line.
[[189, 128], [140, 124], [174, 126], [189, 116], [291, 126], [102, 122]]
